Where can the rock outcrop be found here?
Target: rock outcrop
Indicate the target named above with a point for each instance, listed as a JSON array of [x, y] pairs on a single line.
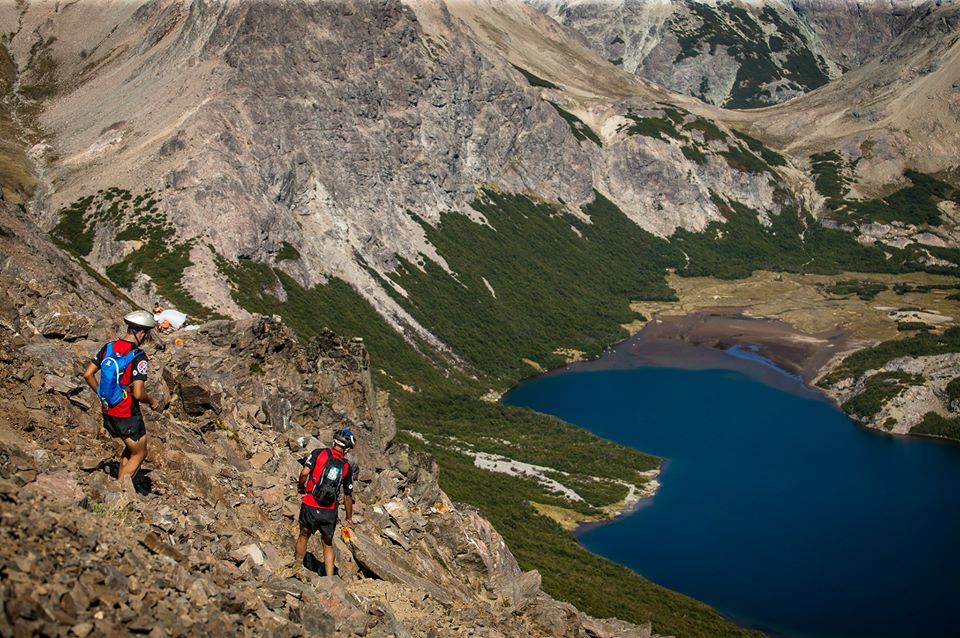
[[899, 110], [328, 130], [735, 54], [205, 545]]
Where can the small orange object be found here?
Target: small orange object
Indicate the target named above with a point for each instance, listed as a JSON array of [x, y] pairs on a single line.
[[345, 534], [178, 341], [165, 325]]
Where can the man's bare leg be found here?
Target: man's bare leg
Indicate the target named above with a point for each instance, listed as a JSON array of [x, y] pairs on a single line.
[[137, 452], [328, 555], [124, 459], [301, 550]]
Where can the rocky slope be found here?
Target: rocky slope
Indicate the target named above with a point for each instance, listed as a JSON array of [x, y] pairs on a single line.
[[205, 547], [169, 147], [899, 109], [332, 154], [166, 146], [735, 54]]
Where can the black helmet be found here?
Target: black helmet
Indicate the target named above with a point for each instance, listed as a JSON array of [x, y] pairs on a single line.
[[345, 438]]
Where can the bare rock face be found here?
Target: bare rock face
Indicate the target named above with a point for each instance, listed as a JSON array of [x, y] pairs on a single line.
[[853, 32], [916, 386], [740, 54], [205, 544], [313, 137], [897, 111]]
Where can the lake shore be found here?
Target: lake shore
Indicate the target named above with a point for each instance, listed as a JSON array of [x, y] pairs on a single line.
[[800, 354], [769, 350]]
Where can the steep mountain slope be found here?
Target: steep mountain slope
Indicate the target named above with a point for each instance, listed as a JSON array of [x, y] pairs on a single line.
[[899, 110], [734, 54], [184, 106], [468, 186], [175, 160], [206, 546]]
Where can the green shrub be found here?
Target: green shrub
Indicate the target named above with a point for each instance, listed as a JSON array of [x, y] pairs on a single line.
[[934, 424], [829, 177], [771, 157], [920, 345], [711, 132], [741, 160], [74, 231], [878, 390], [287, 252], [579, 129], [915, 204], [134, 218], [794, 242], [337, 306], [953, 390], [658, 127], [913, 326], [865, 289], [535, 80], [694, 154]]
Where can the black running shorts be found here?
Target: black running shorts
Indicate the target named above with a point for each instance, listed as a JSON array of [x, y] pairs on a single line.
[[125, 427], [319, 520]]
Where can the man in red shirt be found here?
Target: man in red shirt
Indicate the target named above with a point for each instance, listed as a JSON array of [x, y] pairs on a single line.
[[324, 473], [124, 420]]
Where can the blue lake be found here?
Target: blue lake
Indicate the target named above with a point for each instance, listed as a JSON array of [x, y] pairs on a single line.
[[774, 508]]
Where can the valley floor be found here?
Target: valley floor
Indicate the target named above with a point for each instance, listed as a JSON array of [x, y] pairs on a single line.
[[812, 326]]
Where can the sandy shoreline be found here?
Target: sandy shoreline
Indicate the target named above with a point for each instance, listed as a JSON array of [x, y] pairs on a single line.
[[768, 350]]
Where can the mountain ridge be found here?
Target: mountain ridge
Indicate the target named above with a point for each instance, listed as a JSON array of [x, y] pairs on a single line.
[[474, 191]]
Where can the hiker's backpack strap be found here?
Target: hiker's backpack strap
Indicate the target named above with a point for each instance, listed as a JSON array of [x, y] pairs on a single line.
[[110, 389], [317, 471]]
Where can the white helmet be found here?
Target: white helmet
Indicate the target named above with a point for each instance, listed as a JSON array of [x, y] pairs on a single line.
[[140, 320]]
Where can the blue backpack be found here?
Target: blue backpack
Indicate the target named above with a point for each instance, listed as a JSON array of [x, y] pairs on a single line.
[[110, 391]]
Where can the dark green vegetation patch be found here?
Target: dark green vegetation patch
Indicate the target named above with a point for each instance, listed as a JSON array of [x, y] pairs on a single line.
[[920, 345], [556, 281], [658, 127], [335, 305], [771, 157], [953, 390], [913, 326], [934, 424], [159, 255], [863, 288], [711, 132], [904, 288], [877, 391], [580, 130], [831, 176], [287, 252], [535, 80], [748, 155], [74, 230], [783, 57], [916, 203], [793, 242]]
